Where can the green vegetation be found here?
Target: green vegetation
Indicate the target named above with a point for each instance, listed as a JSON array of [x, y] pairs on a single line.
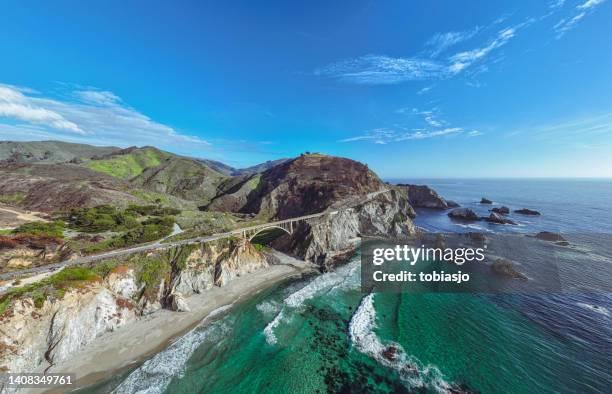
[[151, 271], [150, 230], [55, 286], [136, 224], [49, 229], [151, 197], [14, 198], [129, 165], [259, 247], [6, 232], [102, 218]]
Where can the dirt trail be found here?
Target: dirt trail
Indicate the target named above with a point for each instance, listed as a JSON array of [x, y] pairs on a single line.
[[25, 216]]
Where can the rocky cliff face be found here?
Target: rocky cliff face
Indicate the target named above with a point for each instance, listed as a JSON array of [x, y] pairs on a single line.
[[35, 334], [421, 196], [323, 240]]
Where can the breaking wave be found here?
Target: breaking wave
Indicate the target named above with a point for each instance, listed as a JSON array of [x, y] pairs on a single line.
[[410, 369], [343, 278], [156, 373]]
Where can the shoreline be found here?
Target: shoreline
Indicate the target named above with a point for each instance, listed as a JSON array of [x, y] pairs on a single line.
[[134, 343]]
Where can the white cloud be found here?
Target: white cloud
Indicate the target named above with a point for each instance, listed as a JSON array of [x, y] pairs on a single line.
[[16, 105], [381, 70], [93, 116], [556, 4], [434, 128], [440, 42], [425, 89], [97, 97], [590, 4], [568, 23]]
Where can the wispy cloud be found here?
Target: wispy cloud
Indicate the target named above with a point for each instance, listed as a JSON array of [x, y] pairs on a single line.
[[554, 4], [90, 115], [434, 127], [595, 128], [425, 89], [578, 13], [381, 69], [589, 4], [440, 42]]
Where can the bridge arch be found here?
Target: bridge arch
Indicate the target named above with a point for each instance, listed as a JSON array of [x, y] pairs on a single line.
[[268, 228]]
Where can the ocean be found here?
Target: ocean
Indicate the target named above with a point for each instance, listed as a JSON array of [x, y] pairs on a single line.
[[321, 334]]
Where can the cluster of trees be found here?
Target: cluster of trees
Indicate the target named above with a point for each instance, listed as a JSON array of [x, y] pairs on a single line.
[[109, 218], [133, 231]]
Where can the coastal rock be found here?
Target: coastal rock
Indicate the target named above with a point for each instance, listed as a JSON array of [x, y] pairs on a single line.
[[463, 214], [216, 263], [323, 240], [178, 303], [551, 237], [501, 210], [452, 204], [390, 353], [422, 196], [51, 333], [485, 201], [122, 282], [526, 211], [506, 268], [499, 219]]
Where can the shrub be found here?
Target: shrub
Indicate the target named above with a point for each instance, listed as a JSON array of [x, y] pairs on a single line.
[[50, 229]]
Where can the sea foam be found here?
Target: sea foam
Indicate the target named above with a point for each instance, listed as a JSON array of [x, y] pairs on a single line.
[[410, 369], [156, 373]]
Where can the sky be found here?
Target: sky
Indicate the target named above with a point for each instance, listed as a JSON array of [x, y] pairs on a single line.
[[415, 89]]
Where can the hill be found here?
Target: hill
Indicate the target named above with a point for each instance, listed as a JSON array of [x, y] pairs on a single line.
[[307, 184], [50, 152]]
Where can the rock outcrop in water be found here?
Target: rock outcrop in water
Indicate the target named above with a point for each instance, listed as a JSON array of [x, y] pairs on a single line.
[[41, 332], [501, 210], [465, 214], [526, 211], [499, 219], [421, 196]]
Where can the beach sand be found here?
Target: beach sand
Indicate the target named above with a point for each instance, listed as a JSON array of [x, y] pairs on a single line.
[[134, 343]]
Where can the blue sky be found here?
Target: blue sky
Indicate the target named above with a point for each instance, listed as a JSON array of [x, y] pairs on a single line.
[[413, 88]]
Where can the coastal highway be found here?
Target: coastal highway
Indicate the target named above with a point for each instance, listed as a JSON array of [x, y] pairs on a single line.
[[159, 245]]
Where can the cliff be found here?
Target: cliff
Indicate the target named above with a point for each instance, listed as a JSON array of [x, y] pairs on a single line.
[[323, 241], [422, 196], [45, 323]]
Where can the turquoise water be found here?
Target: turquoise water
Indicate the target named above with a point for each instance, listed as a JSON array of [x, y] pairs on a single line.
[[321, 334]]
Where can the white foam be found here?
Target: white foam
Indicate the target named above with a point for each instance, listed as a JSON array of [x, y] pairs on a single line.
[[344, 277], [156, 373], [269, 330], [362, 333], [323, 282], [598, 309], [268, 307]]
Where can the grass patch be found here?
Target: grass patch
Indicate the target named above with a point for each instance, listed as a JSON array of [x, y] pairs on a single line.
[[14, 198], [129, 165], [54, 286], [50, 229]]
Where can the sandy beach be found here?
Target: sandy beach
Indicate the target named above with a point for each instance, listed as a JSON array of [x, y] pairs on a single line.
[[136, 342]]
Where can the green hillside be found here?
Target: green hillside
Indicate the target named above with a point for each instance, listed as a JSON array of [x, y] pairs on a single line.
[[130, 162]]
